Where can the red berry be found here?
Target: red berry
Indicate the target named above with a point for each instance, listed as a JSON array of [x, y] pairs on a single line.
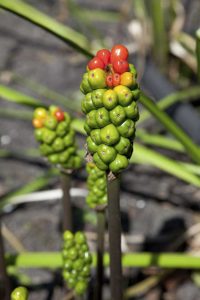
[[119, 52], [120, 66], [60, 116], [95, 63], [109, 81], [104, 55], [116, 79]]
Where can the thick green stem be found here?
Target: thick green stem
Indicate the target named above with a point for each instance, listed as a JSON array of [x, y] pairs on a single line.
[[4, 280], [114, 229], [100, 254], [171, 126], [53, 260], [66, 202]]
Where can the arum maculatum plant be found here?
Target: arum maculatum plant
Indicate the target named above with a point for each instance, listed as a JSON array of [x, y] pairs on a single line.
[[110, 105], [57, 143], [76, 261], [20, 293]]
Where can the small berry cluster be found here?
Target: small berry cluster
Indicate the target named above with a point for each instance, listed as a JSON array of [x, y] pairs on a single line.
[[57, 139], [96, 182], [76, 261], [111, 109]]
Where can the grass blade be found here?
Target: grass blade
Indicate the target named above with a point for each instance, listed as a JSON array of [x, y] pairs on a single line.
[[18, 98], [184, 95], [68, 35], [191, 148], [198, 53], [147, 156]]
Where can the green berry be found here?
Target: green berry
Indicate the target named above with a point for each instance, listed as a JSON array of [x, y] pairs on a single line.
[[62, 128], [45, 149], [97, 79], [68, 265], [85, 86], [71, 282], [102, 117], [132, 111], [87, 128], [92, 147], [95, 136], [68, 235], [123, 146], [109, 135], [117, 115], [78, 264], [127, 129], [53, 158], [38, 134], [80, 237], [48, 136], [85, 272], [110, 99], [72, 254], [91, 119], [124, 95], [64, 156], [120, 163], [20, 293], [99, 162], [50, 122], [80, 287], [58, 144], [136, 94], [106, 153], [88, 104], [97, 97]]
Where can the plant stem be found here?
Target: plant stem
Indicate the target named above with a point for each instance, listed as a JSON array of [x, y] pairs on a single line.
[[53, 260], [114, 229], [66, 201], [191, 148], [100, 253], [4, 280]]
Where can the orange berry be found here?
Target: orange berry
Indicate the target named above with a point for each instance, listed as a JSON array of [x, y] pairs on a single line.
[[37, 123], [127, 79]]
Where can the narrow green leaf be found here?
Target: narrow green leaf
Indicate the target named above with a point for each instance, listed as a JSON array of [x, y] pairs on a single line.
[[146, 156], [68, 35], [190, 93], [16, 114], [198, 52], [17, 97], [192, 149], [160, 141]]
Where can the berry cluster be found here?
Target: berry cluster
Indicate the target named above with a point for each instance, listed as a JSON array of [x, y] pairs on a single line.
[[96, 182], [111, 109], [76, 261], [52, 130], [20, 293]]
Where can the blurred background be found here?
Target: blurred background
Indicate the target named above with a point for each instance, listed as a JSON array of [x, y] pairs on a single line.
[[160, 190]]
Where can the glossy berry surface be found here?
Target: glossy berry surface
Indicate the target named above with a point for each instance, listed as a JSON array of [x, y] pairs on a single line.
[[120, 66], [104, 55], [96, 62], [119, 52]]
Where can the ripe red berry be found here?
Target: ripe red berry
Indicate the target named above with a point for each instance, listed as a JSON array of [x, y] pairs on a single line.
[[95, 63], [120, 66], [109, 81], [119, 52], [116, 79], [59, 114], [104, 55]]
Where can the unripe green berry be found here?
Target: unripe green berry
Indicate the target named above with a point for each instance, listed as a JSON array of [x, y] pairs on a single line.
[[117, 115], [110, 99], [106, 153], [109, 135], [102, 117]]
